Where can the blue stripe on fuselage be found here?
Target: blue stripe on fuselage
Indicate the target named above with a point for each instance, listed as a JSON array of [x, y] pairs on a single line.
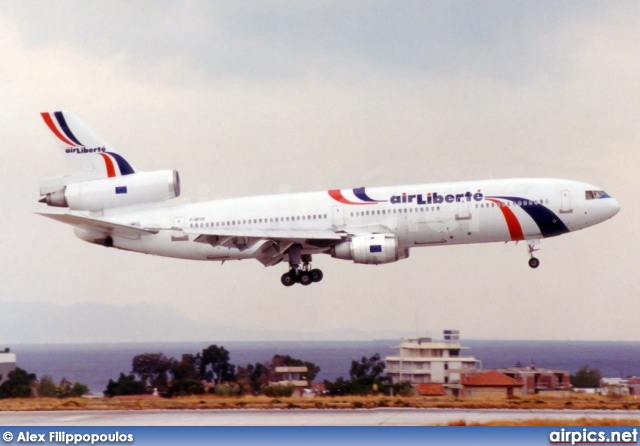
[[549, 223], [361, 194]]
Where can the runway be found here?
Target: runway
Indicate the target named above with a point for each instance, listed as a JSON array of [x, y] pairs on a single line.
[[294, 417]]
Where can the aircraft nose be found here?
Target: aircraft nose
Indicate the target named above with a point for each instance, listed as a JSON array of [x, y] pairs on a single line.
[[614, 207]]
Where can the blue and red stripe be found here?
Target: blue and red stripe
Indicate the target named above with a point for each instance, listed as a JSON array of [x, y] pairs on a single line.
[[65, 128], [123, 165], [360, 194], [54, 129], [548, 222]]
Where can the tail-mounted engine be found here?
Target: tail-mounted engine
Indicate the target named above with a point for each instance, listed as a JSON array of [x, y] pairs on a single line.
[[125, 190], [370, 249]]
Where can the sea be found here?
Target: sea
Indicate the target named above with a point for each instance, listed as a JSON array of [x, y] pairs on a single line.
[[95, 364]]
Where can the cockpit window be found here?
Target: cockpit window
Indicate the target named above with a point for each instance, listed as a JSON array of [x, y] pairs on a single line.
[[595, 194]]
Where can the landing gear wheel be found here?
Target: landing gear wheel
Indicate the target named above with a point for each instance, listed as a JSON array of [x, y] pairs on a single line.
[[316, 275], [288, 279], [534, 263], [304, 278]]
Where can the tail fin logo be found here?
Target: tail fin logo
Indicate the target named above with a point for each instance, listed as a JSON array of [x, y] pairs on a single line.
[[61, 130], [78, 139]]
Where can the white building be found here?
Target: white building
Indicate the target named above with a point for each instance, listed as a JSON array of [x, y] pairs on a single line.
[[614, 386], [423, 360], [291, 376], [7, 363]]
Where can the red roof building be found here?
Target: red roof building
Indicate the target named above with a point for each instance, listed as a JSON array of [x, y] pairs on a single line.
[[431, 389], [491, 383]]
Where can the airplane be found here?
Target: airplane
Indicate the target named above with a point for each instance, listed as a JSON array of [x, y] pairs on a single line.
[[113, 204]]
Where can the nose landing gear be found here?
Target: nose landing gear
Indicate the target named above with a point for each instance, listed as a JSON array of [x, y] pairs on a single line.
[[533, 261]]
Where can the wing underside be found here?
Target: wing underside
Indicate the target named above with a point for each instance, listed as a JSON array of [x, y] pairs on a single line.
[[100, 226]]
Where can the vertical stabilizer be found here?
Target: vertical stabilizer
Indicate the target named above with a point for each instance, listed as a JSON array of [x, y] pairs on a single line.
[[84, 151]]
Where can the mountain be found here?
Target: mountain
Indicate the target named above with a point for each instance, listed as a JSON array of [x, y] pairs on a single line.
[[43, 322]]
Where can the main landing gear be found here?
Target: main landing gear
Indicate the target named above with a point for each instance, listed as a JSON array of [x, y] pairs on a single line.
[[533, 262], [300, 269]]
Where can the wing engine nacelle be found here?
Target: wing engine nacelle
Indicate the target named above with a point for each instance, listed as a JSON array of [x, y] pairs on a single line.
[[372, 249], [125, 190]]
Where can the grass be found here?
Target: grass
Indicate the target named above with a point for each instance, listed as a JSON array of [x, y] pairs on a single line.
[[575, 402]]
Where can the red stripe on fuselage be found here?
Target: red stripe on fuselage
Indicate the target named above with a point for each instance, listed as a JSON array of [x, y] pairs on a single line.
[[111, 171], [337, 195], [515, 230], [54, 129]]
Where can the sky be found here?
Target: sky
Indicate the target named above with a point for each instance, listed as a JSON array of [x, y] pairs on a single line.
[[253, 98]]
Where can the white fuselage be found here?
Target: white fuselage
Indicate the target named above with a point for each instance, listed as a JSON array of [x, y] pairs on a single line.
[[418, 215]]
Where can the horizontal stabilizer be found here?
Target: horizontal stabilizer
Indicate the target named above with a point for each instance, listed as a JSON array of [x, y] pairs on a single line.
[[274, 234], [100, 226]]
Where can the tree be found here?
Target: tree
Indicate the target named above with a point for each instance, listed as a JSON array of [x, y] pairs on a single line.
[[71, 391], [152, 368], [368, 369], [187, 368], [184, 387], [46, 388], [364, 375], [215, 365], [126, 385], [253, 378], [186, 377], [17, 385], [586, 377]]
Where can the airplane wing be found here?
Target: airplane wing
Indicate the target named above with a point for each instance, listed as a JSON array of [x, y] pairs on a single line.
[[273, 234], [271, 243], [101, 226]]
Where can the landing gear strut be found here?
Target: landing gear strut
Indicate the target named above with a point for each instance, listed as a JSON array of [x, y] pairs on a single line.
[[533, 262], [300, 269]]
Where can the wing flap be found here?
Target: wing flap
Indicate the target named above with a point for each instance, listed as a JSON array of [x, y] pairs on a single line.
[[101, 226]]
